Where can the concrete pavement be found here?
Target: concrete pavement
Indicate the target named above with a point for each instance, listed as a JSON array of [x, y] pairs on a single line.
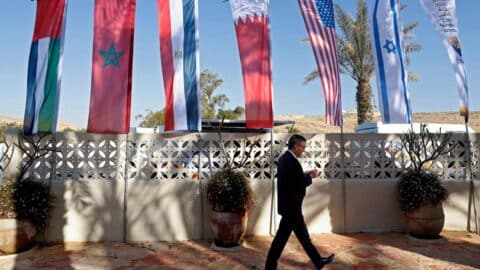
[[455, 250]]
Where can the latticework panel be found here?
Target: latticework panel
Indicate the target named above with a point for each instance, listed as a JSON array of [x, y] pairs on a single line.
[[167, 157], [371, 157], [250, 152], [75, 156], [90, 157], [181, 156]]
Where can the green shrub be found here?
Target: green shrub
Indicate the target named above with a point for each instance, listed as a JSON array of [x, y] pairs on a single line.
[[26, 200], [418, 189], [229, 191]]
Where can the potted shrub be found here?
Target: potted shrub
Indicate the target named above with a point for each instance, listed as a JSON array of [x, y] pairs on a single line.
[[420, 191], [25, 204], [24, 209], [230, 197]]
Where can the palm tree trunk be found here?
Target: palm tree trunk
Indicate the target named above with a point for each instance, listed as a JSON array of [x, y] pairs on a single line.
[[364, 102]]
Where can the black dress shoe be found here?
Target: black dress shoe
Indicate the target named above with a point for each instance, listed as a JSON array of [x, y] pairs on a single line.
[[328, 259], [325, 261]]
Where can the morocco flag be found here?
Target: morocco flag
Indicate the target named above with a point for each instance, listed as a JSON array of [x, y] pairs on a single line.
[[252, 28], [45, 68], [112, 66]]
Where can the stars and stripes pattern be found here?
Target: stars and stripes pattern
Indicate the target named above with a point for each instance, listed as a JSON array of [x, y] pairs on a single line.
[[319, 20]]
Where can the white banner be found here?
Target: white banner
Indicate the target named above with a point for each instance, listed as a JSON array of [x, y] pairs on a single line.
[[386, 34], [443, 16]]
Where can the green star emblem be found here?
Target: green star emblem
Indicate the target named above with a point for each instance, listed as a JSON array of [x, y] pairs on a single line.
[[111, 57]]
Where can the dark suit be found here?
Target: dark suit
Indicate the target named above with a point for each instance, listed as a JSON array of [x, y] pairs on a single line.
[[292, 184]]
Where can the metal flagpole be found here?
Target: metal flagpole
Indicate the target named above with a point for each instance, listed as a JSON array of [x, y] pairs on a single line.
[[202, 214], [471, 197], [273, 220], [125, 177], [342, 156]]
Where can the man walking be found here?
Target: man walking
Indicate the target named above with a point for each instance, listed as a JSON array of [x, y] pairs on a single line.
[[292, 183]]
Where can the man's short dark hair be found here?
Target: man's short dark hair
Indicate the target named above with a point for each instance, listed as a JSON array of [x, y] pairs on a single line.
[[295, 139]]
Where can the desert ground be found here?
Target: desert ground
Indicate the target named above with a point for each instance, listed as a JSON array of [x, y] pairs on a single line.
[[316, 124]]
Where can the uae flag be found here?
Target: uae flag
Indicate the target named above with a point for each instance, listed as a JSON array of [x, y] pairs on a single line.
[[253, 37], [45, 68], [112, 66], [178, 25]]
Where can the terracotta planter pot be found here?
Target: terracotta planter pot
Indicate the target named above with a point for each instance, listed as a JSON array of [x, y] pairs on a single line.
[[16, 235], [228, 228], [426, 222]]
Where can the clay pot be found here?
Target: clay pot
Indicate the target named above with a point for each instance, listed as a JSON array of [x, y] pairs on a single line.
[[16, 235], [426, 222], [228, 227]]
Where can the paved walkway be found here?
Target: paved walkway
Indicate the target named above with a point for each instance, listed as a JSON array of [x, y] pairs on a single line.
[[455, 250]]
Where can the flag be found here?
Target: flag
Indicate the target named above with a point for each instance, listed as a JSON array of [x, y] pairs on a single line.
[[178, 27], [444, 18], [252, 29], [45, 68], [387, 31], [319, 20], [111, 66]]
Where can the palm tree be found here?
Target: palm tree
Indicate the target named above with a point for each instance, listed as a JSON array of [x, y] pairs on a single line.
[[355, 55]]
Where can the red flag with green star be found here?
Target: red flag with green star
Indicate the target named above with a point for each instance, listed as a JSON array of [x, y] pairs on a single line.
[[112, 66]]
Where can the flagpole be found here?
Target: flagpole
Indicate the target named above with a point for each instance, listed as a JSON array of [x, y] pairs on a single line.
[[342, 156], [200, 180], [273, 220], [125, 190], [471, 197]]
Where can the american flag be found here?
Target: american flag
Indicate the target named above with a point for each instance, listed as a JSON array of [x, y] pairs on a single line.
[[320, 23]]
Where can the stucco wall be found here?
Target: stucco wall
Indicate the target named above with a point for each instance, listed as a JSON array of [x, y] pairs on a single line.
[[174, 210]]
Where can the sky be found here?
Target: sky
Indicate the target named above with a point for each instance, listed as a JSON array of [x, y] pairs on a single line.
[[291, 59]]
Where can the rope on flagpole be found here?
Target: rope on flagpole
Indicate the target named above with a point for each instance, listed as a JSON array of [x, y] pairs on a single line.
[[342, 157], [471, 197]]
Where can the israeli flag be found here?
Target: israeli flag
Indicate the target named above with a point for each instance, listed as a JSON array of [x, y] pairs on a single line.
[[386, 34]]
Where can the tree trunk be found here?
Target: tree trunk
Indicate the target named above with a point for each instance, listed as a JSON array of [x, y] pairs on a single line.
[[364, 102]]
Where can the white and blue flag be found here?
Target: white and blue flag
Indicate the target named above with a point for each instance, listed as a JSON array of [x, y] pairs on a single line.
[[443, 15], [386, 33]]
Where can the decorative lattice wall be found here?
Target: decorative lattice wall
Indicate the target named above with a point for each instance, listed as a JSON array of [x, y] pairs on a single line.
[[81, 156]]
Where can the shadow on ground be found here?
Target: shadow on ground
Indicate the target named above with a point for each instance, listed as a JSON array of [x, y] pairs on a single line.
[[455, 250]]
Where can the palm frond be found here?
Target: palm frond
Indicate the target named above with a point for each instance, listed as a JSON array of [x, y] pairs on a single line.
[[313, 75]]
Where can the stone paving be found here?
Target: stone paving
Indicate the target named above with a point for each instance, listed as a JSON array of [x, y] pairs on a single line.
[[455, 250]]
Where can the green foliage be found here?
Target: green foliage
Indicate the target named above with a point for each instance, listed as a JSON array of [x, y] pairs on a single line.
[[151, 119], [26, 200], [227, 114], [239, 110], [22, 197], [209, 82], [229, 191], [418, 186], [292, 129], [212, 105], [418, 189]]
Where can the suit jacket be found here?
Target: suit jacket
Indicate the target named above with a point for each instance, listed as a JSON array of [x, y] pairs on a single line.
[[291, 184]]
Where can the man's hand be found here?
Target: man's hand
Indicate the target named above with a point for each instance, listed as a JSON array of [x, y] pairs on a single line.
[[312, 173]]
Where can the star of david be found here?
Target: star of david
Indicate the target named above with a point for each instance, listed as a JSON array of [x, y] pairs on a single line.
[[390, 46]]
